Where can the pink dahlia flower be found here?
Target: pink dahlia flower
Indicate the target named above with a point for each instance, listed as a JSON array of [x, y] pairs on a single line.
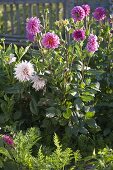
[[33, 26], [50, 40], [92, 44], [30, 37], [78, 35], [99, 13], [86, 8], [78, 13], [8, 140]]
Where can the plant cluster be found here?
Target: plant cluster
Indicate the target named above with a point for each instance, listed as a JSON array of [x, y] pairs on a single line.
[[25, 152], [64, 86], [18, 153]]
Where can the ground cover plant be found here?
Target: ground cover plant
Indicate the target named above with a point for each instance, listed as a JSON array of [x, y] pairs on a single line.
[[62, 88]]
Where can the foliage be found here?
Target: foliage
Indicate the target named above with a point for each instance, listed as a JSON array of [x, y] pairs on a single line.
[[21, 155], [59, 159], [103, 160], [76, 102]]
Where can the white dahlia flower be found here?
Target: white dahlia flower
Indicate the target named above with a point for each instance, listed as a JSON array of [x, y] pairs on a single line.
[[38, 83], [24, 71]]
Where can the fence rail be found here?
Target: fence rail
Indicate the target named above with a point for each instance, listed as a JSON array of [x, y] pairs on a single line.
[[30, 1]]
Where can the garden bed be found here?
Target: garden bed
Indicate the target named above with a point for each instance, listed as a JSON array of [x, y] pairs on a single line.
[[56, 103]]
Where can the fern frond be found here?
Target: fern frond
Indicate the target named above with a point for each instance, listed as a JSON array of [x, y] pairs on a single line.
[[24, 144], [42, 161], [77, 156], [57, 144], [41, 157]]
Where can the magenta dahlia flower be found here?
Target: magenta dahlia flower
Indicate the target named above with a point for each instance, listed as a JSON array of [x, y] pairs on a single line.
[[33, 26], [86, 8], [92, 44], [50, 40], [8, 140], [78, 35], [31, 37], [99, 13], [78, 13]]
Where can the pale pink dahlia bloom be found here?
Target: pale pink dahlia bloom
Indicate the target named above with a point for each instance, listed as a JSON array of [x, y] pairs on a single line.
[[50, 40], [78, 13], [99, 13], [86, 8], [78, 35], [8, 140], [33, 26], [92, 44], [24, 71], [38, 83]]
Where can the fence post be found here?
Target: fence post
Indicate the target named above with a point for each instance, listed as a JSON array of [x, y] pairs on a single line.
[[111, 7], [69, 4]]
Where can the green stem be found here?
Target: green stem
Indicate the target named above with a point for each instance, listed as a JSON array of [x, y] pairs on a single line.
[[83, 72], [88, 62]]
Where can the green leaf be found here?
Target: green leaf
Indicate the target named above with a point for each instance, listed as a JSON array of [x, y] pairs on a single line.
[[33, 107], [67, 114], [4, 106], [92, 124], [50, 112], [82, 85], [87, 98], [72, 130], [78, 104], [83, 130], [107, 131], [14, 89], [5, 152], [89, 114], [2, 118], [1, 164], [16, 49], [17, 115], [11, 165], [25, 51], [74, 93], [9, 49]]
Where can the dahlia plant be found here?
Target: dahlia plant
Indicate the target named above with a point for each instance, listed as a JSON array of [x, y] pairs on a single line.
[[59, 85]]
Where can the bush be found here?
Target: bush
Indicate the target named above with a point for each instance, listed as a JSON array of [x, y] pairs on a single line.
[[63, 87]]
